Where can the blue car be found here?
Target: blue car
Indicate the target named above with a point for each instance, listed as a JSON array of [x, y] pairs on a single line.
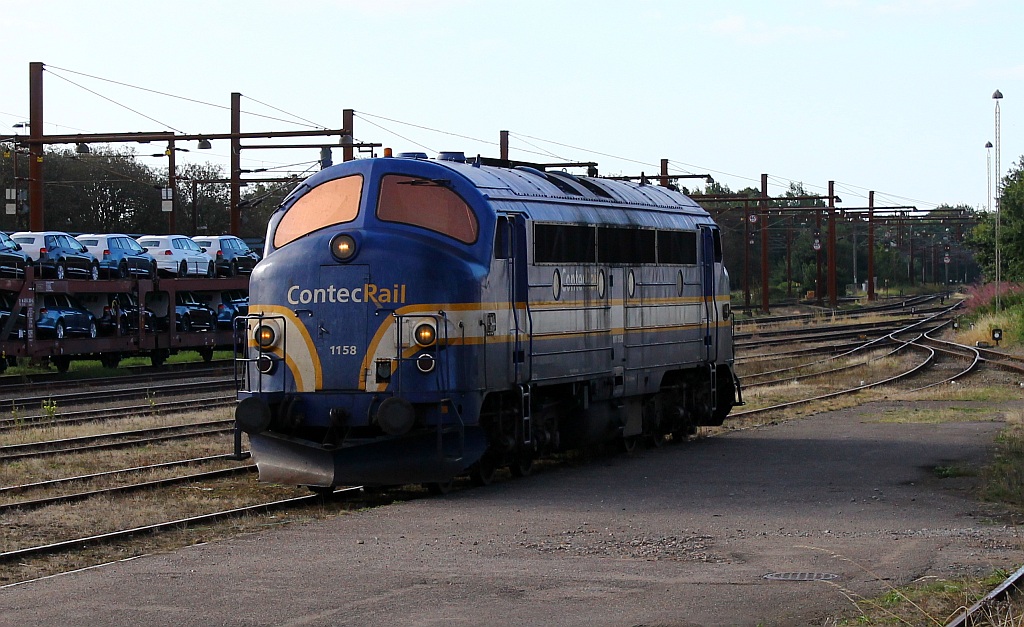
[[58, 254], [119, 255], [13, 260], [7, 302], [61, 316]]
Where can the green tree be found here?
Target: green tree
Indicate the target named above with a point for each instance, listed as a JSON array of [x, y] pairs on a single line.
[[982, 239]]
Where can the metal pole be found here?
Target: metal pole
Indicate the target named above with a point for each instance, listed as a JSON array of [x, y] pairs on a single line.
[[35, 146], [236, 164], [348, 117], [195, 207], [789, 257], [746, 256], [833, 296], [871, 246], [853, 231], [171, 227], [764, 244], [997, 96], [817, 255]]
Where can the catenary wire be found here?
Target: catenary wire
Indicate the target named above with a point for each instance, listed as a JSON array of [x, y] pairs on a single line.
[[111, 100]]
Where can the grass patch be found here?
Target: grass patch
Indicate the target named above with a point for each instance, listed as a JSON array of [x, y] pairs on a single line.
[[930, 602], [93, 368], [955, 470], [939, 415], [1004, 476]]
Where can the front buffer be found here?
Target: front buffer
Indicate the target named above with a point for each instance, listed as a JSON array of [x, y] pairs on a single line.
[[430, 455]]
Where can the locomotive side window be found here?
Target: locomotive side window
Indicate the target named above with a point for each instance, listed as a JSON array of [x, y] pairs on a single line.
[[503, 239], [677, 247], [330, 203], [564, 243], [716, 236], [618, 244], [427, 204]]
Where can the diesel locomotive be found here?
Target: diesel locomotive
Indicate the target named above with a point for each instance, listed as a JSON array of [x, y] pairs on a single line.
[[416, 319]]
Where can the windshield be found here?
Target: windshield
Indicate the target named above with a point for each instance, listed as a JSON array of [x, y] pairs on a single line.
[[327, 204], [428, 204]]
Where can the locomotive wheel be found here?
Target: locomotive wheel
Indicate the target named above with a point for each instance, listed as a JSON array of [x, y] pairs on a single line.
[[61, 362], [630, 443], [482, 472], [681, 435], [439, 488], [521, 466], [656, 440]]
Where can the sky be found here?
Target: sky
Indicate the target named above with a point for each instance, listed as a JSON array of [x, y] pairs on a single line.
[[893, 96]]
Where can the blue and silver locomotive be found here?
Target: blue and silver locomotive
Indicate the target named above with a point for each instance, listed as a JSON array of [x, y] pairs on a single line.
[[414, 320]]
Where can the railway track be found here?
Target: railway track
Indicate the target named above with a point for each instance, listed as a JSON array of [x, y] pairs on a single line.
[[63, 417], [64, 545], [117, 391], [137, 437], [159, 488]]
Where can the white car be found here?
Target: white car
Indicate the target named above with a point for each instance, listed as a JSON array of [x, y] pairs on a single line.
[[177, 255], [231, 255]]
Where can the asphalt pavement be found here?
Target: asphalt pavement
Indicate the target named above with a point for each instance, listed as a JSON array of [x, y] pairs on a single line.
[[836, 506]]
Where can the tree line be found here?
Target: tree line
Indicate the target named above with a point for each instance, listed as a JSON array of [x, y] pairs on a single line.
[[113, 191], [906, 253]]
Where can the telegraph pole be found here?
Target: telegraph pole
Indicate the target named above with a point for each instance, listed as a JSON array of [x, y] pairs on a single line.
[[35, 146]]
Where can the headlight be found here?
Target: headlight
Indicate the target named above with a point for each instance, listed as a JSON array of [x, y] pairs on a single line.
[[425, 334], [266, 364], [343, 247], [425, 363], [265, 336]]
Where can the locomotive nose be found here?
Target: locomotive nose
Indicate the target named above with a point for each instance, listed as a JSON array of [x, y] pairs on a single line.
[[252, 415]]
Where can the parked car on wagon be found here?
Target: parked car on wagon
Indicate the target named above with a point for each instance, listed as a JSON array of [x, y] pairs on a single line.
[[57, 254], [119, 255], [191, 314], [177, 255], [7, 302], [231, 255], [13, 260], [229, 304], [116, 313], [62, 315]]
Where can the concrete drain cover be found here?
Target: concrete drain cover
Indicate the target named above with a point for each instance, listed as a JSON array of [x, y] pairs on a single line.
[[801, 576]]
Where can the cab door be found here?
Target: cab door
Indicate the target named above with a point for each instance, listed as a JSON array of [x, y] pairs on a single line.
[[708, 292], [519, 301]]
